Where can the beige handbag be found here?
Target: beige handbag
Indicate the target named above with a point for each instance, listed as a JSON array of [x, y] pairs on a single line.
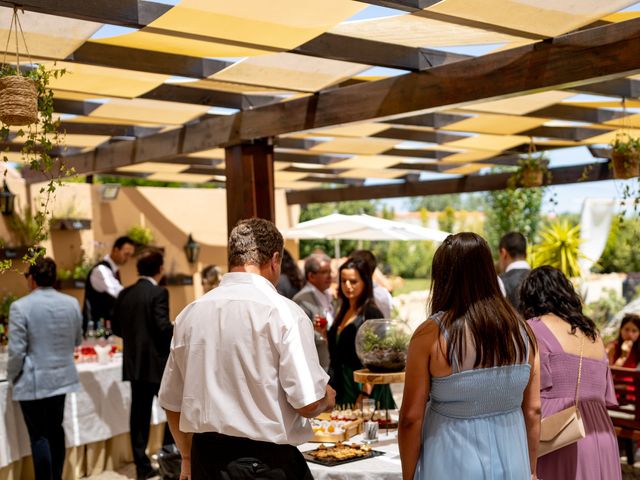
[[564, 427]]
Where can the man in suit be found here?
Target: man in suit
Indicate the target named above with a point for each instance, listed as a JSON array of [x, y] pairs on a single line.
[[45, 327], [103, 283], [317, 302], [141, 318], [512, 252]]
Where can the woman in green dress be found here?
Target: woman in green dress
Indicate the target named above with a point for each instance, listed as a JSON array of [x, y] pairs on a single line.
[[357, 305]]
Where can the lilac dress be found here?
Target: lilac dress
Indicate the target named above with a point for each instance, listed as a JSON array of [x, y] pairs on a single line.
[[596, 456]]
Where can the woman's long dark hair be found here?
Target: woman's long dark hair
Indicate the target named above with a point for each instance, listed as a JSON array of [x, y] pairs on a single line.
[[547, 290], [635, 349], [366, 298], [291, 271], [465, 287]]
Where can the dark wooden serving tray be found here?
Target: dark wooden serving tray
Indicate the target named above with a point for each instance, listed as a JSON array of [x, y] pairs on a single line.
[[332, 462]]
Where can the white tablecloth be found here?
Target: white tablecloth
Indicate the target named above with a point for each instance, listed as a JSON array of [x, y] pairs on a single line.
[[384, 467], [99, 411]]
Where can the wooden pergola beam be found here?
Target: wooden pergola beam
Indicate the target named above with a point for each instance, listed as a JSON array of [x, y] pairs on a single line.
[[600, 53], [104, 55], [204, 96], [359, 50], [470, 183]]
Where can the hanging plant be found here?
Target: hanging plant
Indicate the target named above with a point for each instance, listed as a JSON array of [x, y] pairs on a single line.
[[625, 156], [39, 138], [532, 171]]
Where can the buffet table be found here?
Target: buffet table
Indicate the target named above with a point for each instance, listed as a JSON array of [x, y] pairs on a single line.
[[96, 424], [384, 467]]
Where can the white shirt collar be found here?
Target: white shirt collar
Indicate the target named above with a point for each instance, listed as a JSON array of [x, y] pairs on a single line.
[[244, 277], [109, 260], [518, 264], [151, 279]]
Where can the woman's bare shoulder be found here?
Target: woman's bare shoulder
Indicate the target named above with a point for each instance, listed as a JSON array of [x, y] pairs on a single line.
[[427, 332]]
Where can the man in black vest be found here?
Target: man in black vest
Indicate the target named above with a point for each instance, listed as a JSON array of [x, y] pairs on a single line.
[[141, 318], [103, 283], [512, 251]]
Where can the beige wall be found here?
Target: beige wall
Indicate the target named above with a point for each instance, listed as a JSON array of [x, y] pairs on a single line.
[[170, 213]]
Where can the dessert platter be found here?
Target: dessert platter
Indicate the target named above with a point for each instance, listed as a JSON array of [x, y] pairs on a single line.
[[340, 453]]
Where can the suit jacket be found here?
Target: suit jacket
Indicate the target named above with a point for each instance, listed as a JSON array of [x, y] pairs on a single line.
[[308, 301], [141, 318], [512, 281], [44, 328]]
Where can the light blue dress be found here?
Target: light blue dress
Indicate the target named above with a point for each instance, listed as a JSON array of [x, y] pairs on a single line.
[[474, 427]]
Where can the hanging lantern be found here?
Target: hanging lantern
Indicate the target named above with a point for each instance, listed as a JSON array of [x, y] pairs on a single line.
[[7, 200], [192, 250]]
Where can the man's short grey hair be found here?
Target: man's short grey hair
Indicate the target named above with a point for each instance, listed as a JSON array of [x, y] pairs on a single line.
[[313, 262], [253, 242]]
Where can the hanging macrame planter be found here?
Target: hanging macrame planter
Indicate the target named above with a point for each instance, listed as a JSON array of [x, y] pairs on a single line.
[[18, 94]]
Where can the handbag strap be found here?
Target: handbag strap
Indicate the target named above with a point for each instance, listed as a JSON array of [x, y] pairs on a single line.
[[579, 371]]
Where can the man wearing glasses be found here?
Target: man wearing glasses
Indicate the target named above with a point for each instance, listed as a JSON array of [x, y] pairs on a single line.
[[45, 327]]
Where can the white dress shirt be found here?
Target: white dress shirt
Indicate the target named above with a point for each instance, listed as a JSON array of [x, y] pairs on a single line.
[[518, 264], [242, 360], [103, 278], [383, 299]]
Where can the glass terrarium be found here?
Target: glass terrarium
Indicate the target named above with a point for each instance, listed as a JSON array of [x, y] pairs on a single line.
[[382, 344]]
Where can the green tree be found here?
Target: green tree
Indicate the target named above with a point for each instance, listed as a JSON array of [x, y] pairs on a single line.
[[512, 210], [409, 259], [317, 210], [447, 219], [621, 254]]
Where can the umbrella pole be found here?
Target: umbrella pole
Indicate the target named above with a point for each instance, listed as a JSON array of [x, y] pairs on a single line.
[[336, 249]]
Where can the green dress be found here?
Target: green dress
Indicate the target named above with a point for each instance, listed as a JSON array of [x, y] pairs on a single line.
[[344, 361]]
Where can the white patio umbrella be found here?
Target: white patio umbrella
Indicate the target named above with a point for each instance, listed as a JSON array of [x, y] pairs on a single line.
[[361, 227]]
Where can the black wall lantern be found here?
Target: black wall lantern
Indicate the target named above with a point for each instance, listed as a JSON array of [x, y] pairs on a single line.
[[7, 200], [192, 249]]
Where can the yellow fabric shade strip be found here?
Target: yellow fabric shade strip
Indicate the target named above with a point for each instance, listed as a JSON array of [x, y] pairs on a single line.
[[368, 161], [149, 111], [470, 156], [522, 104], [213, 153], [355, 130], [299, 185], [610, 136], [233, 29], [364, 146], [489, 142], [235, 87], [415, 31], [628, 121], [179, 177], [495, 124], [290, 176], [374, 173], [47, 36], [468, 169], [109, 121], [290, 71], [543, 17], [154, 167], [104, 81]]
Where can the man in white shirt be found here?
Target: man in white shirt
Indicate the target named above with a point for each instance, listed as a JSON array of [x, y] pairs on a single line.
[[512, 252], [243, 374], [103, 283], [317, 302]]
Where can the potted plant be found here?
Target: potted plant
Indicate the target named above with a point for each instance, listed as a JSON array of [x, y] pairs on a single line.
[[625, 155], [532, 171], [381, 345]]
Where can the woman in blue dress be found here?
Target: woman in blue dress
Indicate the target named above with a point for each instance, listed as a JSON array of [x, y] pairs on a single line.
[[471, 404]]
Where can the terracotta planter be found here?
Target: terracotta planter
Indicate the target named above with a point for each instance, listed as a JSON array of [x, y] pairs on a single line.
[[625, 165], [530, 177]]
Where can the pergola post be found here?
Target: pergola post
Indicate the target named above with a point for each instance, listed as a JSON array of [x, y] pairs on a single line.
[[250, 186]]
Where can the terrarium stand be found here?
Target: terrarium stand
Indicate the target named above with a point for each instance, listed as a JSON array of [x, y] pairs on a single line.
[[365, 376]]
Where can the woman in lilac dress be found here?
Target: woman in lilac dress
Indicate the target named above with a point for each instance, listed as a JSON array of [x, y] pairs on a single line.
[[555, 316]]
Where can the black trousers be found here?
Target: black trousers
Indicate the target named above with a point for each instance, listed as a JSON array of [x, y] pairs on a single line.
[[142, 394], [220, 457], [44, 424]]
